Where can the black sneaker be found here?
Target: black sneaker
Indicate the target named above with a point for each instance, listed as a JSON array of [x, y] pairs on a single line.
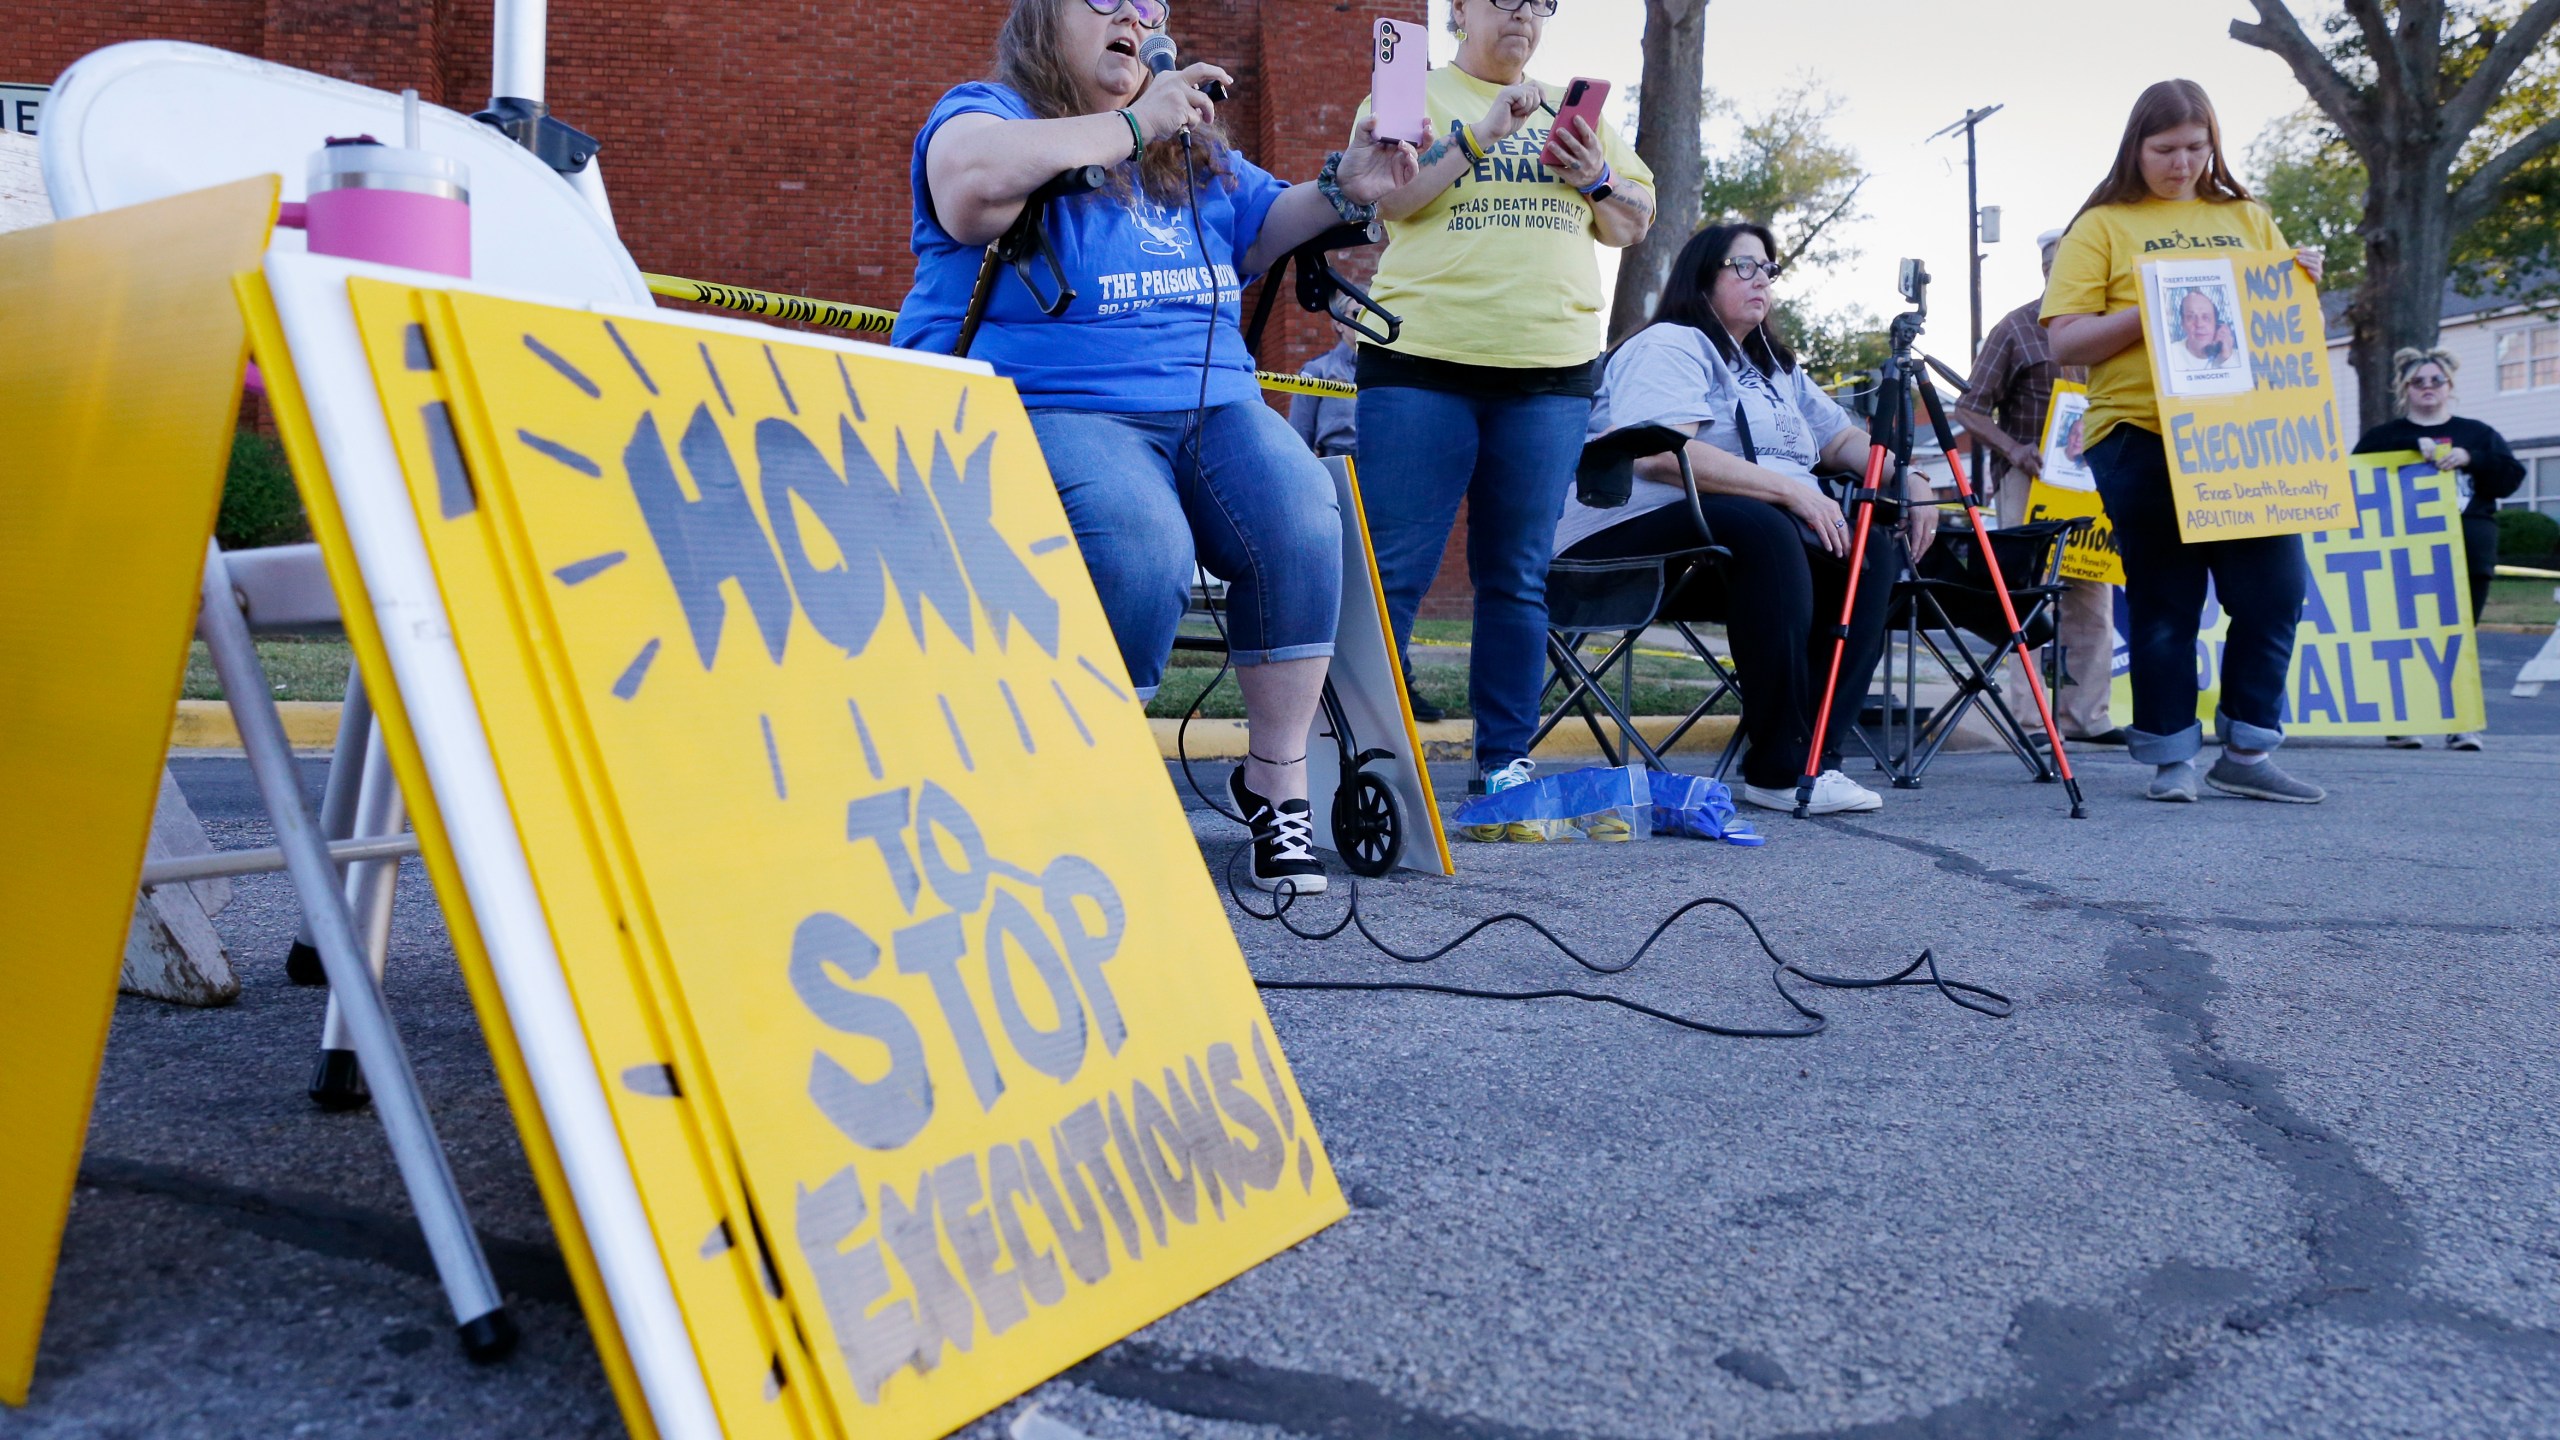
[[1284, 856]]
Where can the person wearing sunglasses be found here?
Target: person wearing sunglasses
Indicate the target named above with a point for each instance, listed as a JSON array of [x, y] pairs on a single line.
[[1710, 365], [2478, 458], [1142, 394], [1492, 264]]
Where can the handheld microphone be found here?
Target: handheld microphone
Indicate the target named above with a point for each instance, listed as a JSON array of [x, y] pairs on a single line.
[[1156, 52]]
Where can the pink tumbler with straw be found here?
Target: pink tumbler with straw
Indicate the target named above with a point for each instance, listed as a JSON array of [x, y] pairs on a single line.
[[397, 205]]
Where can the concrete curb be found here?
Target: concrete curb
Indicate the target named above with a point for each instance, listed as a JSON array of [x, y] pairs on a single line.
[[206, 725]]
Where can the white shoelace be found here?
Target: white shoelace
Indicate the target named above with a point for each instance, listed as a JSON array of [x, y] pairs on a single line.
[[1292, 835]]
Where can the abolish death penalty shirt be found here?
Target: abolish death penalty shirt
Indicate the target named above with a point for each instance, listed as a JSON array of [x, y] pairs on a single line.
[[2098, 271], [1502, 268], [1144, 281]]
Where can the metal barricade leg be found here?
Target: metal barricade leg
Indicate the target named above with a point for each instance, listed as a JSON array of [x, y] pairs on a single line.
[[337, 1081], [485, 1329], [337, 811]]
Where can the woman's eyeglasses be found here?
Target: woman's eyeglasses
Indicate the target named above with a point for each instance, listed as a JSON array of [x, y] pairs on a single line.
[[2428, 382], [1544, 9], [1150, 13], [1747, 268]]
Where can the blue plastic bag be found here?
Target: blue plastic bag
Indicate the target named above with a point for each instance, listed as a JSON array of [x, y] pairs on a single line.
[[1698, 806], [1592, 803]]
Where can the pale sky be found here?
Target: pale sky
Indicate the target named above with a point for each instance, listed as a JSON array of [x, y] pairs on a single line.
[[2067, 70]]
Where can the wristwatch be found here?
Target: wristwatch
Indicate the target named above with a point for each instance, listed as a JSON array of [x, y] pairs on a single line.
[[1600, 192]]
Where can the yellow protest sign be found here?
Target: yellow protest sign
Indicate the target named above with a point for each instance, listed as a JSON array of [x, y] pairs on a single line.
[[124, 353], [2240, 361], [2386, 644], [936, 1061], [2067, 489]]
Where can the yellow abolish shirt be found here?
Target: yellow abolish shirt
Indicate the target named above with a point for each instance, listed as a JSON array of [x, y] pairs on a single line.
[[1501, 268], [2098, 271]]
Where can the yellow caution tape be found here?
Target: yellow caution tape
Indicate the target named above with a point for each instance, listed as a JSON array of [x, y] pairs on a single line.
[[863, 320], [835, 314], [2526, 572], [1303, 385]]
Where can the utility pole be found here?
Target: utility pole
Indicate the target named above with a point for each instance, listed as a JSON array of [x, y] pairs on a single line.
[[1973, 213]]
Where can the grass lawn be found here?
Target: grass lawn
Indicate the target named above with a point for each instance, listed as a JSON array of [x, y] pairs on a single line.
[[2522, 602], [299, 669], [1664, 685]]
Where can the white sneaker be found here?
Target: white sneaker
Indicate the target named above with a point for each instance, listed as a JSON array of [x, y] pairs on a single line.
[[1495, 782], [1833, 794], [2462, 740]]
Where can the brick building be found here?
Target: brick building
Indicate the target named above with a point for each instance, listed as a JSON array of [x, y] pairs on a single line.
[[764, 142]]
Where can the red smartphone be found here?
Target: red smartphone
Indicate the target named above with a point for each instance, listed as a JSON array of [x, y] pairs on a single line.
[[1582, 101], [1399, 68]]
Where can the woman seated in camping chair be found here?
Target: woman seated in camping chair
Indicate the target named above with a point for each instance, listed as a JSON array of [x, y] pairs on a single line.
[[1709, 365]]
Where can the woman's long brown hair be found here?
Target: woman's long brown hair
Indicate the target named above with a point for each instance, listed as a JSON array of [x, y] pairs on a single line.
[[1029, 61], [2165, 106]]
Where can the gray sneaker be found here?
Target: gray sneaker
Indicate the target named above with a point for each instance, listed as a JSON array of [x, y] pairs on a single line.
[[2175, 781], [2262, 781]]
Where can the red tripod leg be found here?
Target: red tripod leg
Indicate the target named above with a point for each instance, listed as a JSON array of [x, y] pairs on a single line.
[[2009, 612], [1862, 509]]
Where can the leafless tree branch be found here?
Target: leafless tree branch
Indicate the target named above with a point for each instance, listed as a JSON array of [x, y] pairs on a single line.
[[2278, 33]]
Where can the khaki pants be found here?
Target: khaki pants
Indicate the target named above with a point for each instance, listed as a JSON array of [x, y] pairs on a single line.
[[2088, 642]]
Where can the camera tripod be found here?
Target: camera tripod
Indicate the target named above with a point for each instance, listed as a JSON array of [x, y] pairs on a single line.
[[1900, 380]]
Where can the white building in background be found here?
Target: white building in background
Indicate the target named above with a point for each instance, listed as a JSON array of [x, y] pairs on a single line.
[[2510, 381]]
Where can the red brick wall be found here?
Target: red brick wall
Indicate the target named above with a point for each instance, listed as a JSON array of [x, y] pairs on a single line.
[[759, 142]]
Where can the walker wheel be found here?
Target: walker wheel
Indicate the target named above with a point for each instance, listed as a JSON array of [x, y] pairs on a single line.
[[1368, 830]]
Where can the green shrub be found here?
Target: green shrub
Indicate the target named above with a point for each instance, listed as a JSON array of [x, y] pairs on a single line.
[[259, 505], [2525, 536]]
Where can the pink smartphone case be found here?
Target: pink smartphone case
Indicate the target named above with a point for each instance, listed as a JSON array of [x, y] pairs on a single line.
[[1399, 67]]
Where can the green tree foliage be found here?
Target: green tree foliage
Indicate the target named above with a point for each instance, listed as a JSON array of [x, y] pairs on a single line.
[[1831, 343], [2315, 186], [1783, 168], [2450, 109]]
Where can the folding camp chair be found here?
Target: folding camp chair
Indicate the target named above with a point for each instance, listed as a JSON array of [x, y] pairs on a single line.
[[1620, 599], [1947, 609]]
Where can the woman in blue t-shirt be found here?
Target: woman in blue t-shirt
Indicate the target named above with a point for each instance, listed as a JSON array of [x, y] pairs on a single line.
[[1155, 462]]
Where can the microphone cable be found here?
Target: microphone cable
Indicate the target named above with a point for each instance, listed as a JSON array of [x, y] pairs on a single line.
[[1979, 999]]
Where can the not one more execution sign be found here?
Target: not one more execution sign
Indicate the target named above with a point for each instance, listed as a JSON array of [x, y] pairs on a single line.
[[2386, 645], [2240, 361]]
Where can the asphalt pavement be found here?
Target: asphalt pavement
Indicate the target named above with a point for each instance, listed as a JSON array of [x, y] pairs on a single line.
[[2265, 1148]]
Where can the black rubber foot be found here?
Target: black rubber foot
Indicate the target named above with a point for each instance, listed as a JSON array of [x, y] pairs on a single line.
[[302, 965], [487, 1339], [337, 1082]]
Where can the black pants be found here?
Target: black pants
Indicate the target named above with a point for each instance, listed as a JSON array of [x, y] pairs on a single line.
[[2480, 547], [1778, 598]]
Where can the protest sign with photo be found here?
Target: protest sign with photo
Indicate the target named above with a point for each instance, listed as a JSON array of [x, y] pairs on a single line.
[[2068, 490], [2386, 644], [2248, 417]]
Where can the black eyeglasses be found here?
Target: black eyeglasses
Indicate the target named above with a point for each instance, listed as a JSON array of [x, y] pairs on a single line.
[[1541, 8], [1747, 268]]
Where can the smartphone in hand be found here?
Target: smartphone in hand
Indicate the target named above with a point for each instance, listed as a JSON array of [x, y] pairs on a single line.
[[1582, 101], [1399, 64]]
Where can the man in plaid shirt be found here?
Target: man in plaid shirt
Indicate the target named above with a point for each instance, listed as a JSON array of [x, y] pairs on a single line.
[[2005, 410]]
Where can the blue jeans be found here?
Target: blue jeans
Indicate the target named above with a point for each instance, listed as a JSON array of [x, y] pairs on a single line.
[[2259, 581], [1510, 458], [1258, 511]]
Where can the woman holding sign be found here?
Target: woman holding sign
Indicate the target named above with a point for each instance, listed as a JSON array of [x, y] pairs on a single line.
[[2170, 195], [2486, 469]]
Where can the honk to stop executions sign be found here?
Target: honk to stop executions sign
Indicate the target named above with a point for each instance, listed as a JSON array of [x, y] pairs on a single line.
[[934, 1058]]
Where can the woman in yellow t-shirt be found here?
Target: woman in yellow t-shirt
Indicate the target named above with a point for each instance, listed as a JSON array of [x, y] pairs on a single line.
[[1492, 264], [2170, 196]]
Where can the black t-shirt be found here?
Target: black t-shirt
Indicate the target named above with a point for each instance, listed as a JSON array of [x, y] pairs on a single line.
[[2494, 470]]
